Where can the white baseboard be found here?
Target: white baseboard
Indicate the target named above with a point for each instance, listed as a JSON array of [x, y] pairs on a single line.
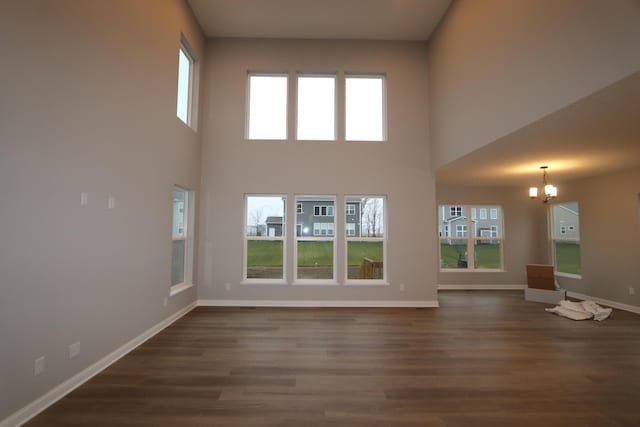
[[43, 402], [304, 303], [609, 303], [469, 287]]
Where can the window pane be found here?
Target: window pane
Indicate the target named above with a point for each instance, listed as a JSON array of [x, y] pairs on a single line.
[[489, 223], [567, 256], [267, 107], [177, 262], [184, 66], [265, 216], [487, 254], [316, 108], [453, 253], [315, 216], [566, 217], [367, 215], [264, 259], [315, 260], [365, 260], [364, 108], [179, 207]]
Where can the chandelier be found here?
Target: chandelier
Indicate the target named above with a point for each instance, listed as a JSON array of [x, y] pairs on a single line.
[[549, 191]]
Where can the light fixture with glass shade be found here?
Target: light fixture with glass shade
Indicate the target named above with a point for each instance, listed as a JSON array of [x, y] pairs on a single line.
[[548, 191]]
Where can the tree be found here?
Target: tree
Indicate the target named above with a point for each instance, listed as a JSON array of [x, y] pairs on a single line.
[[371, 216], [256, 216]]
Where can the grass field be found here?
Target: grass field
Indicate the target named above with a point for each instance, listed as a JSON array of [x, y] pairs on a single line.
[[268, 253], [568, 257], [487, 256]]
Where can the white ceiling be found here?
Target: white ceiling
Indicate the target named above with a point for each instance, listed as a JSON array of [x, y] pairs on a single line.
[[598, 134], [320, 19]]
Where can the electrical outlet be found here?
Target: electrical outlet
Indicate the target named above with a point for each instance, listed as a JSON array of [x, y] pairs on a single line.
[[111, 202], [74, 350], [38, 366], [84, 199], [401, 287], [165, 301], [632, 291]]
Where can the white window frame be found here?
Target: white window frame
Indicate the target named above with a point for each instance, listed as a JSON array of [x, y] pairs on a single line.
[[188, 236], [383, 239], [471, 240], [462, 230], [333, 281], [351, 209], [350, 228], [553, 239], [299, 208], [248, 105], [283, 238], [335, 104], [483, 213], [192, 86], [383, 78], [493, 213], [453, 211]]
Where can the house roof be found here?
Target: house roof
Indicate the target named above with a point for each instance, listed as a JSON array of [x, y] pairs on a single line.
[[274, 220]]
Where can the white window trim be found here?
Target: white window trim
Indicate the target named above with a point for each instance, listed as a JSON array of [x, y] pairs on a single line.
[[470, 240], [553, 239], [299, 208], [189, 237], [335, 106], [348, 210], [296, 239], [248, 104], [384, 239], [261, 281], [383, 77], [193, 85]]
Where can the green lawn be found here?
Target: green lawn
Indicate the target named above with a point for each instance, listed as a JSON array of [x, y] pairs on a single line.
[[455, 256], [359, 250], [264, 253], [568, 257]]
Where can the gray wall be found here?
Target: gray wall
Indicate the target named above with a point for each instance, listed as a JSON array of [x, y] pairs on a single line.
[[609, 235], [524, 232], [87, 104], [399, 167], [496, 66]]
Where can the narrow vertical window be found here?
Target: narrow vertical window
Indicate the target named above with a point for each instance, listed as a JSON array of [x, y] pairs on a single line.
[[316, 109], [565, 234], [186, 83], [365, 108], [182, 239], [265, 225], [315, 239], [267, 106], [365, 232]]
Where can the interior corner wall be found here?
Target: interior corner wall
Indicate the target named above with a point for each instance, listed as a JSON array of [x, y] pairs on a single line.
[[524, 233], [496, 66], [609, 235], [398, 168], [87, 104]]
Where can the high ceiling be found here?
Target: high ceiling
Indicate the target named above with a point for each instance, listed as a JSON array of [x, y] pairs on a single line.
[[320, 19]]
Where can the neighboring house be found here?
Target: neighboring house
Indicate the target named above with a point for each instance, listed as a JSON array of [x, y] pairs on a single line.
[[274, 226], [454, 221], [566, 221], [317, 218]]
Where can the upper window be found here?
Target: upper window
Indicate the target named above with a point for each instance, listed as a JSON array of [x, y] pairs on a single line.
[[186, 83], [264, 238], [316, 119], [476, 245], [365, 108], [351, 208], [366, 239], [565, 219], [325, 210], [299, 208], [267, 106]]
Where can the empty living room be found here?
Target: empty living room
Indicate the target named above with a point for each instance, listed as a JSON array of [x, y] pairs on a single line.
[[320, 213]]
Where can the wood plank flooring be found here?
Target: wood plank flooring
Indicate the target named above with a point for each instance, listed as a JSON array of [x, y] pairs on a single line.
[[485, 358]]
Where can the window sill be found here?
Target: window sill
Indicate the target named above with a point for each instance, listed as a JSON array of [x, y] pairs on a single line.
[[568, 275], [365, 282], [477, 270], [315, 282], [176, 289]]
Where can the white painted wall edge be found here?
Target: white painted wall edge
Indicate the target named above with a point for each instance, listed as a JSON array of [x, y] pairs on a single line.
[[609, 303], [305, 303], [52, 396], [470, 287]]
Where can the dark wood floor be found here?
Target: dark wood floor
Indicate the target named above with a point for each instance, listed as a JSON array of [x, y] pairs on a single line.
[[483, 359]]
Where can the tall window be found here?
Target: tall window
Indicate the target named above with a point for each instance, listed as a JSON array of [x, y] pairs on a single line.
[[264, 244], [565, 235], [267, 106], [366, 236], [182, 236], [365, 108], [316, 112], [186, 83], [315, 239], [477, 243]]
